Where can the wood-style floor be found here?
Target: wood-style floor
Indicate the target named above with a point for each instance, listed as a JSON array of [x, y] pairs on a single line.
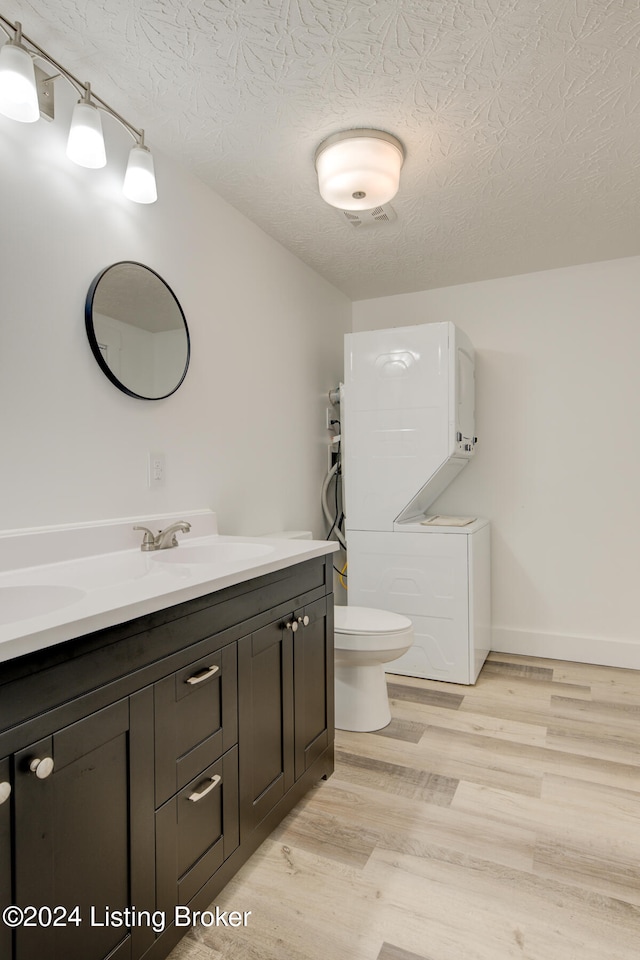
[[486, 823]]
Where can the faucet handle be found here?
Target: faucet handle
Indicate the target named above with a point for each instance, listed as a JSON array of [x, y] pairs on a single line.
[[149, 540]]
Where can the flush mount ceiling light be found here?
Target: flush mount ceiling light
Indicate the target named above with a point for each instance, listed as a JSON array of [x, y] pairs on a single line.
[[359, 169], [26, 94]]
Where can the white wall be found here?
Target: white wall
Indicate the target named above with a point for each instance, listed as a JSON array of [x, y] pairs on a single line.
[[557, 468], [244, 434]]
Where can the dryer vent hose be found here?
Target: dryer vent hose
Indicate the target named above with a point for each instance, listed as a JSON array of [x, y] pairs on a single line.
[[333, 521]]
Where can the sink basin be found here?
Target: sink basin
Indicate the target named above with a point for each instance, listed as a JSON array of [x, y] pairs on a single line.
[[213, 553], [34, 600], [108, 571]]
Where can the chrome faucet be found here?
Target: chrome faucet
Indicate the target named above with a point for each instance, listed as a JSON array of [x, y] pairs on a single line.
[[164, 539]]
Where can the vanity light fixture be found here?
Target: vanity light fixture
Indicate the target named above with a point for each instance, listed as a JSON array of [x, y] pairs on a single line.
[[359, 169], [140, 178], [18, 93], [26, 94], [85, 145]]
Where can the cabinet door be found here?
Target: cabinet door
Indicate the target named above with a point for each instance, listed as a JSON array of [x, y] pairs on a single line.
[[76, 843], [313, 683], [5, 854], [265, 721]]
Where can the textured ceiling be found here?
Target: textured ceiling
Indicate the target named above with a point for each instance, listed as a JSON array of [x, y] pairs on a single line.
[[520, 119]]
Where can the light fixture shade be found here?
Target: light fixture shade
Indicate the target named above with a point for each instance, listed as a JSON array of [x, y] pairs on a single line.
[[359, 169], [140, 179], [18, 92], [85, 145]]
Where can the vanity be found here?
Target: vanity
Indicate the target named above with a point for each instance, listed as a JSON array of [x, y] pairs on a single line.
[[145, 757]]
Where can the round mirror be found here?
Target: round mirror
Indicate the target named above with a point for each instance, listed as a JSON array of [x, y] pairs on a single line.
[[137, 331]]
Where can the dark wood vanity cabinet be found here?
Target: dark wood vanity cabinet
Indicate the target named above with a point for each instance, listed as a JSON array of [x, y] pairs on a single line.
[[178, 741]]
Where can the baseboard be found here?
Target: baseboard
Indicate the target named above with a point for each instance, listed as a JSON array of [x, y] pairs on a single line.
[[609, 653]]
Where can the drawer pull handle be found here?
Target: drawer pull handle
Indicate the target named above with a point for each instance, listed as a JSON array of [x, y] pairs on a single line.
[[304, 621], [42, 768], [292, 625], [203, 675], [5, 791], [198, 795]]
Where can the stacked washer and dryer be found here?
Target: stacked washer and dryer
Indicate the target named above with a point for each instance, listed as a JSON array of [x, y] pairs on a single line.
[[408, 429]]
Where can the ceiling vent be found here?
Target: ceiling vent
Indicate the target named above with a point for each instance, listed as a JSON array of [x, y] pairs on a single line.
[[369, 218]]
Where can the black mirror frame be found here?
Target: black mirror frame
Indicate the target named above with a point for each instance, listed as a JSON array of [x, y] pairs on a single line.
[[95, 349]]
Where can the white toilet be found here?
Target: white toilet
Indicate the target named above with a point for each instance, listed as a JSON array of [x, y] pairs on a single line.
[[365, 639]]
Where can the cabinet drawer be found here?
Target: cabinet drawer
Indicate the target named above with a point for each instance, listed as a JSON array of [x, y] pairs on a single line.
[[196, 831], [195, 719]]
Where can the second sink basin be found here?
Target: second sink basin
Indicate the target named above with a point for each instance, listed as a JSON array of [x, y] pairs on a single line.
[[217, 553], [33, 600]]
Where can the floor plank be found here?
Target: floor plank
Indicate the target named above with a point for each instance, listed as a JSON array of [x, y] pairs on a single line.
[[418, 694], [400, 729], [391, 952]]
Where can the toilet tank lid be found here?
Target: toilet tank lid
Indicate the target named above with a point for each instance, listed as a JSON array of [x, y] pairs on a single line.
[[369, 620], [288, 535]]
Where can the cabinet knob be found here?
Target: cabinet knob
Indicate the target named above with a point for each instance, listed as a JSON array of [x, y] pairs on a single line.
[[292, 625], [42, 768], [5, 791], [304, 620]]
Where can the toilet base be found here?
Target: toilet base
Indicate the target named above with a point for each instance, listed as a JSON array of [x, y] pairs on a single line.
[[362, 703]]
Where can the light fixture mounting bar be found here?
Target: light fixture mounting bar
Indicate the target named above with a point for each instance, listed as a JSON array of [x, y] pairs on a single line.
[[45, 94]]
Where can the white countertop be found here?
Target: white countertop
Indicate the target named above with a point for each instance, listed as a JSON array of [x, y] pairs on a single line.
[[78, 595]]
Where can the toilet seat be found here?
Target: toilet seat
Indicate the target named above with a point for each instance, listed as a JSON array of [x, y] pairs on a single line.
[[363, 628], [368, 620]]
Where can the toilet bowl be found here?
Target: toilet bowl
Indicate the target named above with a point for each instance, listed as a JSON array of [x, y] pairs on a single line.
[[365, 639]]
